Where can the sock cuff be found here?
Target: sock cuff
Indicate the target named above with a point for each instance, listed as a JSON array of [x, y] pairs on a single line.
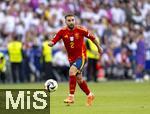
[[71, 95], [90, 94]]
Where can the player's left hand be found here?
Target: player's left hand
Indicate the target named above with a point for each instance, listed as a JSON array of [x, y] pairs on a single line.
[[100, 50], [50, 43]]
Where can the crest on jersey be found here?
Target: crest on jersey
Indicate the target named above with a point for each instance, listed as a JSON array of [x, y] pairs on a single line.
[[66, 36], [71, 38], [77, 35]]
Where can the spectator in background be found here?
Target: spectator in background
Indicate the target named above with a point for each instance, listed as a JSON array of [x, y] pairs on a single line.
[[10, 21], [108, 61], [2, 67], [61, 65], [123, 65], [118, 14]]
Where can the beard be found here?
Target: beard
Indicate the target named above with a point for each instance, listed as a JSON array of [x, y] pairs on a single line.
[[71, 26]]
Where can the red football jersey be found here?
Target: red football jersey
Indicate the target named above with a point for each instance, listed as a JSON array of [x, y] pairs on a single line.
[[74, 41]]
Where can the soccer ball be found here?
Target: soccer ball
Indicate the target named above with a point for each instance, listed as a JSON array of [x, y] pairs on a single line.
[[146, 77], [51, 85]]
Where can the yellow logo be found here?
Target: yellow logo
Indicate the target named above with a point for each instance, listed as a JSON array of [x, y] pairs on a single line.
[[77, 36], [66, 36]]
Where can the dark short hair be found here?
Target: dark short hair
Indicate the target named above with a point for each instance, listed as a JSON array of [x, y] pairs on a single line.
[[68, 15]]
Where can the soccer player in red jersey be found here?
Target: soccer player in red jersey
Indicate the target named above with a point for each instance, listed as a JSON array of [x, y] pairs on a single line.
[[73, 38]]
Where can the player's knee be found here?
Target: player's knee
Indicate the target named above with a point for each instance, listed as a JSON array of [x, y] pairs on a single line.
[[72, 73], [79, 79]]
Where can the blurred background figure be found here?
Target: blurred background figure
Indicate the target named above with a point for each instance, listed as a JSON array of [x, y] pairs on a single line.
[[2, 67], [123, 65], [61, 65], [47, 59], [27, 46], [108, 62], [35, 61], [140, 57], [93, 56], [15, 52]]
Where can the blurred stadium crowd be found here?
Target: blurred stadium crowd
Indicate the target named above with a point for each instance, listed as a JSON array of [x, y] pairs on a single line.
[[26, 25]]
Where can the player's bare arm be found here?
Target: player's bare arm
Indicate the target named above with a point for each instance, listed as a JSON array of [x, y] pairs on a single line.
[[100, 49], [93, 39]]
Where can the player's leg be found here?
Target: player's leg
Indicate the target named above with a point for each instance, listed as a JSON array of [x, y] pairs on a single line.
[[139, 73], [72, 84], [84, 87], [82, 83]]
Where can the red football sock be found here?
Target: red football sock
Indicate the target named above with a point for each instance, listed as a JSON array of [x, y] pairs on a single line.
[[72, 84], [84, 87]]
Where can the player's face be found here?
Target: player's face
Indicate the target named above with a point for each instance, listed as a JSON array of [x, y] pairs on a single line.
[[70, 21]]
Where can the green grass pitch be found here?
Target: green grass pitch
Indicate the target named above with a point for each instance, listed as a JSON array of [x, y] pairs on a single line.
[[114, 97]]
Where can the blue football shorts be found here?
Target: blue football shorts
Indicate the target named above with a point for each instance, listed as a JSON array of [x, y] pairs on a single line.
[[79, 64]]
